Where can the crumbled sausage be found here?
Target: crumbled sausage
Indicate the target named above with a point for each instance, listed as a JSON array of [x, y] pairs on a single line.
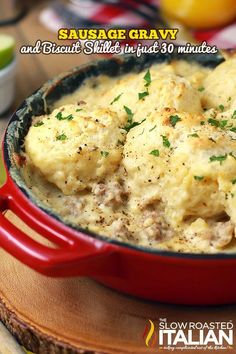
[[154, 227], [119, 229], [99, 189], [222, 234], [72, 206], [111, 194]]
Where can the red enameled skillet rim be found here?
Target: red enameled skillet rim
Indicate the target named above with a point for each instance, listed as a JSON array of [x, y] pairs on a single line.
[[90, 234]]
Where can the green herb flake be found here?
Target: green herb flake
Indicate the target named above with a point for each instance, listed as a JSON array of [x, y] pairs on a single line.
[[198, 178], [200, 89], [229, 99], [202, 122], [59, 116], [38, 124], [194, 135], [165, 141], [233, 129], [232, 155], [147, 78], [219, 158], [213, 122], [233, 181], [132, 125], [221, 107], [116, 98], [104, 153], [223, 124], [154, 153], [152, 128], [79, 109], [218, 123], [234, 115], [141, 95], [129, 113], [61, 137], [70, 117], [174, 120]]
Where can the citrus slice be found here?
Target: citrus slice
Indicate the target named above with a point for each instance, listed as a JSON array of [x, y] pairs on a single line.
[[200, 14], [7, 45]]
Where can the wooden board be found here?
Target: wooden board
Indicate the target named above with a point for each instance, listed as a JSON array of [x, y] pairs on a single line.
[[78, 315]]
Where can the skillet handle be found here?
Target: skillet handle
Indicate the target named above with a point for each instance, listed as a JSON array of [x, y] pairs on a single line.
[[75, 253]]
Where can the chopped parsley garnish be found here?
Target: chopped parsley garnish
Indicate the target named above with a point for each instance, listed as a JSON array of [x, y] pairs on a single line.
[[61, 137], [213, 122], [132, 125], [143, 94], [218, 123], [198, 178], [104, 153], [174, 120], [229, 99], [223, 124], [233, 129], [154, 153], [59, 116], [233, 181], [116, 98], [165, 141], [38, 124], [130, 114], [202, 122], [234, 115], [221, 107], [194, 135], [147, 78], [79, 109], [70, 117], [219, 158], [232, 155], [152, 128], [130, 122], [200, 89]]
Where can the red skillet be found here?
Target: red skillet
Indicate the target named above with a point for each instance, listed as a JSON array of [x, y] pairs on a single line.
[[156, 275]]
